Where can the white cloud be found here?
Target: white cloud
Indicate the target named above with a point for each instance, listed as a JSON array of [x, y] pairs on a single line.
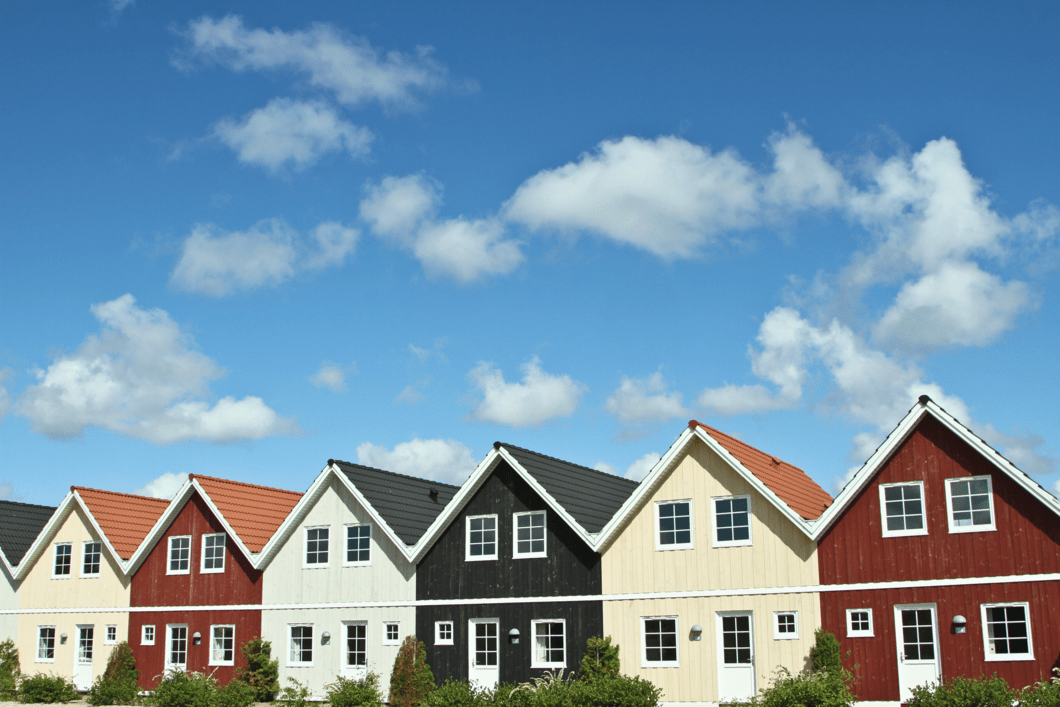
[[164, 486], [606, 468], [5, 397], [639, 399], [117, 6], [217, 263], [287, 133], [349, 66], [640, 468], [1055, 488], [140, 377], [332, 376], [538, 398], [421, 354], [444, 460], [7, 491], [412, 395], [802, 177]]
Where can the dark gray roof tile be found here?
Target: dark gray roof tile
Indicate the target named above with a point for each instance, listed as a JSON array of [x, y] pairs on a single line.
[[20, 524]]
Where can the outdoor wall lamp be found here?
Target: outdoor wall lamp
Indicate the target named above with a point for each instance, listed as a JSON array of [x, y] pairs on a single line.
[[513, 636], [62, 638], [325, 639], [960, 624], [697, 633], [196, 638]]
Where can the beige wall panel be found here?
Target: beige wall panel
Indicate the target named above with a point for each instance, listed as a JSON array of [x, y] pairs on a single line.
[[9, 602], [65, 653]]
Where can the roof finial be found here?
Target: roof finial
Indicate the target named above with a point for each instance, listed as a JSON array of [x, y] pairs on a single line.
[[496, 445], [693, 424], [925, 399], [331, 462]]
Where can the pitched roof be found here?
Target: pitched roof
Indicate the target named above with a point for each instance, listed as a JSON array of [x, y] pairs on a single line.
[[253, 512], [404, 502], [124, 518], [20, 524], [591, 497], [787, 481]]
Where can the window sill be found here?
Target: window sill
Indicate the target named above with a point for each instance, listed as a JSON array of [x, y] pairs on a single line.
[[480, 558], [737, 543], [667, 548], [357, 564], [905, 534], [531, 556], [170, 572], [1008, 658]]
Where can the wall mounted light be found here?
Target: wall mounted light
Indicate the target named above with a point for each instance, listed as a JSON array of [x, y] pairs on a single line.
[[325, 639], [196, 638], [62, 638], [960, 624], [513, 636], [696, 634]]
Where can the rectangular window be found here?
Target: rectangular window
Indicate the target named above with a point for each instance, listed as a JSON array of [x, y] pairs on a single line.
[[110, 635], [902, 506], [86, 643], [785, 625], [674, 522], [301, 646], [659, 639], [63, 554], [356, 644], [177, 650], [316, 547], [179, 555], [443, 633], [222, 645], [213, 553], [529, 534], [970, 505], [481, 538], [549, 644], [859, 623], [91, 553], [45, 644], [391, 633], [147, 635], [1007, 632], [732, 521], [358, 544]]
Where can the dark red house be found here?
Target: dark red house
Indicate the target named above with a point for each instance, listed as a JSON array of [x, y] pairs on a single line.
[[940, 559], [195, 590]]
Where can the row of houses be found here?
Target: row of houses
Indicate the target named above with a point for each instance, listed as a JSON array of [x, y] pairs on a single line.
[[939, 558]]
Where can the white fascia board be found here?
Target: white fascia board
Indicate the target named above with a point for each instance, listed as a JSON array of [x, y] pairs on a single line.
[[290, 523], [103, 536], [406, 551], [159, 528], [10, 568], [251, 557], [45, 536]]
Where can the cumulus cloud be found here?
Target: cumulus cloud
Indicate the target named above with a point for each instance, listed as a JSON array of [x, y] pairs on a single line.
[[640, 468], [412, 395], [288, 133], [164, 486], [444, 460], [332, 376], [644, 399], [606, 468], [140, 377], [5, 397], [218, 263], [537, 399]]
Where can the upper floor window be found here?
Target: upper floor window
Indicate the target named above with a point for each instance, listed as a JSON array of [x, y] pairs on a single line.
[[902, 508], [316, 546], [859, 623], [969, 503], [63, 557], [1007, 632], [481, 538], [673, 521], [732, 521], [91, 553], [179, 555], [358, 544], [529, 531], [213, 553]]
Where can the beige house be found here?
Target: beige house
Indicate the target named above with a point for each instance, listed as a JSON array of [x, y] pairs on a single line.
[[708, 570]]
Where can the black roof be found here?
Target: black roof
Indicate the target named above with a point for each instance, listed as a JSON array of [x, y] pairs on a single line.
[[404, 502], [20, 524], [591, 497]]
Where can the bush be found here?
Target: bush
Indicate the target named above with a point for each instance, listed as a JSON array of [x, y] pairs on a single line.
[[1042, 694], [183, 689], [600, 659], [117, 684], [457, 693], [9, 670], [615, 691], [345, 692], [823, 688], [411, 680], [550, 690], [236, 694], [46, 688], [965, 692], [294, 695], [262, 672], [824, 656]]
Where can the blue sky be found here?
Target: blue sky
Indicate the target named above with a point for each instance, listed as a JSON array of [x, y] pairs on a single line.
[[239, 239]]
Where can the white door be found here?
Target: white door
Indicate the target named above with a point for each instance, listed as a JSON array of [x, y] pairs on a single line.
[[176, 647], [918, 647], [484, 653], [86, 636], [355, 655], [736, 655]]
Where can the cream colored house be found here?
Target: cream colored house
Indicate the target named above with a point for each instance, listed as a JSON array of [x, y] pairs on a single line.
[[708, 570]]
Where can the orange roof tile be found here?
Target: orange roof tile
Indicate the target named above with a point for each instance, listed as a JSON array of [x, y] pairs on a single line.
[[789, 482], [254, 512], [124, 518]]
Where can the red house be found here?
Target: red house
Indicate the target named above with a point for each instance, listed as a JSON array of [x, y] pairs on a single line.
[[195, 590], [940, 559]]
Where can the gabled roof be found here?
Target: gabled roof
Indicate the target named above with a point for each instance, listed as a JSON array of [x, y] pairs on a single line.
[[125, 519], [20, 524], [924, 407]]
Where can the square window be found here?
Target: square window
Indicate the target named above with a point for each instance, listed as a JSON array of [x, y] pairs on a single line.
[[481, 538], [91, 554], [358, 544], [732, 521], [659, 641], [785, 625], [179, 555], [213, 553], [222, 644], [301, 646], [147, 635], [63, 557], [177, 650], [316, 547], [859, 623], [443, 633], [45, 644], [674, 522], [1007, 632], [530, 534], [902, 508], [110, 635], [970, 504], [356, 644], [549, 639], [391, 633]]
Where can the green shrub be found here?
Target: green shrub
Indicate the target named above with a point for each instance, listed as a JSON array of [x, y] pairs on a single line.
[[824, 656], [262, 672], [1042, 694], [117, 685], [615, 691], [345, 692], [411, 679], [183, 689], [600, 659], [457, 693], [46, 688], [9, 670], [823, 688], [551, 690], [294, 695], [965, 692], [236, 694]]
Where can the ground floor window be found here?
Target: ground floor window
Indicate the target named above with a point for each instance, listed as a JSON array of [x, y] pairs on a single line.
[[111, 637], [223, 644], [147, 635], [785, 625], [391, 633], [549, 644], [301, 646], [443, 633], [45, 644], [659, 641], [859, 623], [1007, 632]]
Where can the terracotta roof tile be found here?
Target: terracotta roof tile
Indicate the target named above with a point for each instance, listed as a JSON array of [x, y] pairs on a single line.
[[254, 512], [124, 518], [789, 482]]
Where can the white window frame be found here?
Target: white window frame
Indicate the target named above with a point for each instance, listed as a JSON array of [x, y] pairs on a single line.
[[214, 661], [515, 535], [949, 506], [107, 640], [467, 538], [306, 564], [883, 511], [534, 663], [992, 657], [691, 544], [55, 561], [55, 638], [202, 555], [84, 553], [144, 640], [438, 640], [714, 523], [860, 633], [345, 666], [391, 642], [169, 646], [346, 547], [644, 663], [290, 641], [777, 635], [169, 559]]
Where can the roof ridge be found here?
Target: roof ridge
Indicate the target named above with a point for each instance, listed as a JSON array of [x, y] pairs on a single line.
[[393, 473], [243, 483], [580, 466], [750, 446], [120, 493]]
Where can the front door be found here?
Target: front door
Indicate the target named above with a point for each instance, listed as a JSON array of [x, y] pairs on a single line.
[[484, 653], [918, 647], [355, 657], [86, 636], [736, 655]]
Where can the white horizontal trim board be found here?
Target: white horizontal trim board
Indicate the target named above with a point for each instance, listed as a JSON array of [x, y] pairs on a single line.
[[692, 594]]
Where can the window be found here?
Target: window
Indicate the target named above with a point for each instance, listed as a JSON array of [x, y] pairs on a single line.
[[659, 641], [529, 534], [316, 547], [732, 521], [301, 645], [63, 555], [549, 644], [358, 544], [785, 625], [147, 635], [674, 521], [86, 637], [1007, 632], [356, 644], [443, 633], [391, 633], [91, 553], [110, 635], [902, 506], [45, 644], [859, 623], [213, 553], [969, 503], [222, 645], [481, 538], [177, 651], [179, 555]]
